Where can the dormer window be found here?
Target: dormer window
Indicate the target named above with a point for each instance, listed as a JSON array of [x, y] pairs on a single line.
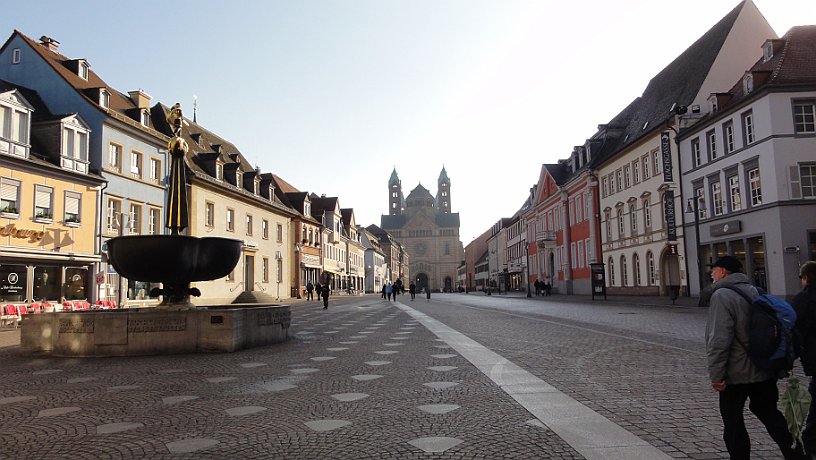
[[767, 51], [104, 98], [271, 192], [83, 69], [307, 208], [145, 118], [712, 104], [15, 56], [74, 154], [15, 122], [219, 171], [257, 188], [748, 83]]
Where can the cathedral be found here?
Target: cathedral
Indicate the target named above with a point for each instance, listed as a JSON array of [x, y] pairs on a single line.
[[425, 225]]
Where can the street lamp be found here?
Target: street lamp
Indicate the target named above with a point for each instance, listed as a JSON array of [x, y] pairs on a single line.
[[696, 205]]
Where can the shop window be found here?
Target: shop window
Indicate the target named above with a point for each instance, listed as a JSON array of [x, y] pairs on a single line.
[[756, 248], [46, 283], [75, 283], [13, 282]]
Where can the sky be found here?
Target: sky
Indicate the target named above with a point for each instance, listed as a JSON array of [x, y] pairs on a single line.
[[333, 95]]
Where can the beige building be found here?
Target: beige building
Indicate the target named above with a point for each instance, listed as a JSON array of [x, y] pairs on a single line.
[[429, 231]]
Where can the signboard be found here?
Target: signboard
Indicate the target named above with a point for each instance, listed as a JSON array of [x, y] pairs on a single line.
[[665, 149], [726, 228], [100, 278], [598, 279], [13, 283], [668, 207]]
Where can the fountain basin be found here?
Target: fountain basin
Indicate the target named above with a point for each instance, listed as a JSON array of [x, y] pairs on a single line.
[[173, 259]]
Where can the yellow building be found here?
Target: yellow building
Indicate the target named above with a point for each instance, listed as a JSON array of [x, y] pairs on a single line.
[[48, 203]]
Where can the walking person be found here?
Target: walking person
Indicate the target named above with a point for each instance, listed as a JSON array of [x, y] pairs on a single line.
[[389, 289], [732, 373], [309, 290], [805, 305], [412, 290], [324, 292], [383, 291], [428, 293], [318, 289]]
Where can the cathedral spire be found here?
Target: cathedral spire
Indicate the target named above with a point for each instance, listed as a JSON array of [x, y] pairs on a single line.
[[395, 199], [443, 198]]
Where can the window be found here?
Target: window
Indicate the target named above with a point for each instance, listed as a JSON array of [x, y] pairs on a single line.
[[230, 220], [74, 147], [647, 170], [219, 171], [154, 221], [734, 198], [611, 271], [717, 198], [728, 130], [696, 157], [114, 208], [656, 162], [807, 177], [633, 219], [135, 223], [619, 179], [14, 125], [755, 186], [636, 270], [711, 140], [748, 127], [647, 214], [612, 188], [265, 229], [145, 118], [627, 176], [209, 214], [238, 178], [574, 255], [650, 269], [249, 225], [702, 212], [608, 218], [115, 157], [15, 56], [605, 183], [636, 170], [83, 70], [72, 208], [624, 272], [155, 170], [621, 225], [265, 270], [43, 201], [279, 232], [9, 196], [581, 255], [136, 164], [104, 98], [804, 116]]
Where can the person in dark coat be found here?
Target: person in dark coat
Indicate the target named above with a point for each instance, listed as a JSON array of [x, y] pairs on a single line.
[[324, 292], [428, 293], [309, 289], [805, 305], [412, 290]]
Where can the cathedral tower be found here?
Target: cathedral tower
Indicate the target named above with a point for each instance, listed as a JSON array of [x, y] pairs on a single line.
[[395, 199], [443, 198]]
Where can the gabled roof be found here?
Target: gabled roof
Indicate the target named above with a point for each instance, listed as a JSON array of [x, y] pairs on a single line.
[[283, 185], [121, 105], [419, 192], [345, 215], [559, 172]]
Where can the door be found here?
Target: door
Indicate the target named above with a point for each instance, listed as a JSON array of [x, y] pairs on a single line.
[[422, 282], [249, 273]]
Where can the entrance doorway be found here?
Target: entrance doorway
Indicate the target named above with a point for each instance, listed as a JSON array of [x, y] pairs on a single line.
[[422, 282], [249, 273], [448, 284]]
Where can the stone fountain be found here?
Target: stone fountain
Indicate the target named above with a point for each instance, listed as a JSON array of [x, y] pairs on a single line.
[[176, 325]]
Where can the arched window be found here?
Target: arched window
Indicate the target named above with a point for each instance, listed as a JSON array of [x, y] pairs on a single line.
[[611, 264], [636, 270], [650, 269], [624, 273], [621, 225], [633, 219]]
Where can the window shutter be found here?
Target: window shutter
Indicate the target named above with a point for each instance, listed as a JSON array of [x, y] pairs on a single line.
[[795, 185], [71, 204], [43, 198], [8, 191]]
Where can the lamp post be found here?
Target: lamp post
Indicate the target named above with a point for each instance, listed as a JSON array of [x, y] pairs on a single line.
[[697, 205]]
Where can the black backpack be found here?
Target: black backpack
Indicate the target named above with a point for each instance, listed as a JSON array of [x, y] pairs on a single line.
[[771, 336]]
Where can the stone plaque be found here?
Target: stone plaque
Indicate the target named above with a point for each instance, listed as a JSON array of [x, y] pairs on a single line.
[[278, 316], [157, 325], [76, 326]]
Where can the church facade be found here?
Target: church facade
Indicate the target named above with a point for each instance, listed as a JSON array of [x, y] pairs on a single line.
[[425, 225]]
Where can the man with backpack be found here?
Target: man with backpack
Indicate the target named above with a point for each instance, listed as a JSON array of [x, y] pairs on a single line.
[[805, 305], [734, 375]]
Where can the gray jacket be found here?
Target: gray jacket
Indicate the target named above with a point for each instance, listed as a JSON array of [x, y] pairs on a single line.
[[727, 333]]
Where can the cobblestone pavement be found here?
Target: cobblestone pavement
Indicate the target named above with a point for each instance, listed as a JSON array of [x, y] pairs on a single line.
[[643, 367], [365, 380], [361, 380]]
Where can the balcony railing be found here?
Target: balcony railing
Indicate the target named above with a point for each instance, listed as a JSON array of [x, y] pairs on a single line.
[[545, 237]]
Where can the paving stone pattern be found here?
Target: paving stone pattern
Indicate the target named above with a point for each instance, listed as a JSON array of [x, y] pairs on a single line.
[[360, 380]]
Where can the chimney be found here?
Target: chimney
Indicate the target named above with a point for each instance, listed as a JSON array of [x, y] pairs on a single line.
[[49, 43], [140, 98]]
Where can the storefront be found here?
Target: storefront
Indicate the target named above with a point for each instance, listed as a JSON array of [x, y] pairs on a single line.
[[25, 280]]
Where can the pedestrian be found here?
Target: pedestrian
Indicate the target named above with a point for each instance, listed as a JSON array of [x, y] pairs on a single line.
[[537, 285], [547, 288], [428, 293], [309, 289], [412, 290], [805, 305], [389, 289], [318, 289], [383, 291], [732, 373], [324, 292]]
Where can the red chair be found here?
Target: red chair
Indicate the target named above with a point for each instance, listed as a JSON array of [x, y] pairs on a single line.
[[21, 311], [10, 314]]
